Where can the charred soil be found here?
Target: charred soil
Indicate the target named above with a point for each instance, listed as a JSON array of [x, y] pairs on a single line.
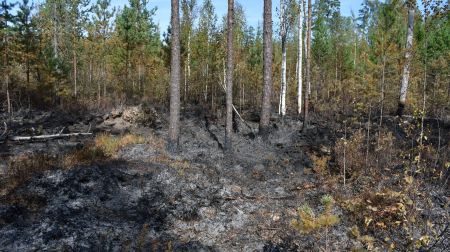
[[141, 198]]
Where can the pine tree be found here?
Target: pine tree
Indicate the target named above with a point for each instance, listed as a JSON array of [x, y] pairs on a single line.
[[204, 50], [102, 30], [267, 71], [187, 26], [174, 127], [6, 21], [75, 26], [138, 36], [229, 77], [27, 37], [308, 66]]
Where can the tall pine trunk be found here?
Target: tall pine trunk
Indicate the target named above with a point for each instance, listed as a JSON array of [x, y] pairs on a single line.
[[174, 120], [300, 58], [408, 57], [229, 76], [308, 66], [267, 93]]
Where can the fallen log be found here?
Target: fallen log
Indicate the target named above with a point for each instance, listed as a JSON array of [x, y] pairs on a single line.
[[45, 137]]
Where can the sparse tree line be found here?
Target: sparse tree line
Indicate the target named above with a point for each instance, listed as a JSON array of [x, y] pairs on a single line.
[[390, 57]]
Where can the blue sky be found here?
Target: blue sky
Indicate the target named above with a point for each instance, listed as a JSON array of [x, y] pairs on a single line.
[[253, 9]]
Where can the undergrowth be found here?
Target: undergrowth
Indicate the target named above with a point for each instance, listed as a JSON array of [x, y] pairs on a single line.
[[382, 183], [387, 195], [23, 167]]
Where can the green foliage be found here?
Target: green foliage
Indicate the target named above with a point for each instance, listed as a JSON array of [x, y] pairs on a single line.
[[119, 56]]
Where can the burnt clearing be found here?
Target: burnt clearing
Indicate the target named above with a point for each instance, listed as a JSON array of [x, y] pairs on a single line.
[[144, 199]]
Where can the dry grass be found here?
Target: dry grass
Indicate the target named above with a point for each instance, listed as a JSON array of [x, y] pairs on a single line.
[[179, 165], [156, 142], [110, 145], [23, 167], [85, 156], [104, 146]]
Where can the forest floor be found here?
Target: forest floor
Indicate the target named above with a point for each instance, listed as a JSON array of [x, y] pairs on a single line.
[[64, 195]]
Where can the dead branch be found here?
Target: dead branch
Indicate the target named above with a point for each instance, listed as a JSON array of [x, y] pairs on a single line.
[[237, 113], [409, 117], [47, 137]]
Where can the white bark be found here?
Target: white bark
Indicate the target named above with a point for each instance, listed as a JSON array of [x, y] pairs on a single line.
[[186, 79], [283, 82], [283, 33], [300, 58], [408, 56], [207, 68], [75, 81], [8, 101]]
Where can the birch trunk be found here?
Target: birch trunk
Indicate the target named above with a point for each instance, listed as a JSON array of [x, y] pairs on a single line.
[[185, 80], [187, 67], [300, 58], [283, 33], [8, 101], [75, 74], [408, 57], [207, 69]]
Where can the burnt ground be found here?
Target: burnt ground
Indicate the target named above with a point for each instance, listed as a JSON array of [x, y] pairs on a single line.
[[199, 199]]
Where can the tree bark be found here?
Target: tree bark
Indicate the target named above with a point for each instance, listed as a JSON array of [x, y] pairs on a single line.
[[75, 91], [408, 57], [174, 127], [267, 93], [300, 58], [229, 98], [308, 66], [55, 30], [383, 81], [186, 84], [283, 34], [8, 101]]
